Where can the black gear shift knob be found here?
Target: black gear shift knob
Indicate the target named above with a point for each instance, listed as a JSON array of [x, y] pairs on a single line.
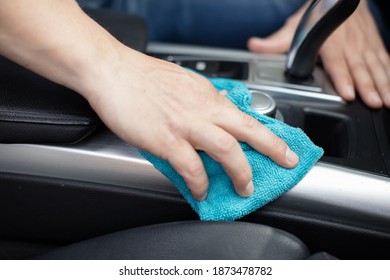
[[321, 18]]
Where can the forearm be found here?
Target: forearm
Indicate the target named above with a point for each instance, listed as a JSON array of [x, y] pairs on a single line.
[[57, 40]]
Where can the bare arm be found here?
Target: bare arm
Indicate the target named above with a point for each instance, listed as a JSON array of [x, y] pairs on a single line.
[[178, 111]]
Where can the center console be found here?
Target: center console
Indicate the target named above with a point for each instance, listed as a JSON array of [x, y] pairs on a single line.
[[346, 194], [340, 128], [69, 192]]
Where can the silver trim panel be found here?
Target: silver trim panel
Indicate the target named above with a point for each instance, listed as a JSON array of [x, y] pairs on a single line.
[[327, 191], [265, 71]]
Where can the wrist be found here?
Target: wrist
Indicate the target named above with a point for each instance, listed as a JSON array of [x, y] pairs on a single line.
[[94, 67]]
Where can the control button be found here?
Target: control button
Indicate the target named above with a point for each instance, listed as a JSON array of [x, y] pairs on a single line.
[[263, 104], [200, 66]]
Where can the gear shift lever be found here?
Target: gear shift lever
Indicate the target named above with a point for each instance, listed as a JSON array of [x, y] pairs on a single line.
[[320, 19]]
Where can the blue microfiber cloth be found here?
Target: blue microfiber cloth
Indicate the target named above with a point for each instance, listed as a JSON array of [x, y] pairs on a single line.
[[270, 180]]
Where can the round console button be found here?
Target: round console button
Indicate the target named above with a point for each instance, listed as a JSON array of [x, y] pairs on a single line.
[[263, 104]]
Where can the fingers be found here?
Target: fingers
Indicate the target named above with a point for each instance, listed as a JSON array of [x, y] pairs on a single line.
[[355, 58], [186, 115], [377, 60], [218, 139], [225, 149], [366, 73], [337, 68], [279, 42], [379, 70], [371, 78], [247, 129], [186, 161], [223, 92]]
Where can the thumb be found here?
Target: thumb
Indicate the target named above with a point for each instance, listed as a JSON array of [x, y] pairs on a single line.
[[276, 43], [279, 42]]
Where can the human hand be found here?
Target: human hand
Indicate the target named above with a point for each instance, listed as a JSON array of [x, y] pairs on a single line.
[[171, 112], [354, 56], [151, 104]]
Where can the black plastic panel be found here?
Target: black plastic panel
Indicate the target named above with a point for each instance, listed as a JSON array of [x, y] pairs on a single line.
[[348, 133], [381, 120], [63, 211], [212, 68], [53, 212], [333, 132]]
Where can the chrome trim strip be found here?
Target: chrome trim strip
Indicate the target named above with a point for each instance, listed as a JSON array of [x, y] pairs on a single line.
[[210, 52], [104, 159], [293, 93], [327, 191]]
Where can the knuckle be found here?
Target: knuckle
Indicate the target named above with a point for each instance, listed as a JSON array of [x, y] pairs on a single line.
[[193, 169], [204, 99], [170, 145], [242, 178], [370, 58], [203, 96], [248, 121], [357, 66], [226, 144], [175, 127], [279, 145]]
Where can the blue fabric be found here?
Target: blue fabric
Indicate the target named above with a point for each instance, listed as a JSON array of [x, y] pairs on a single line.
[[232, 21], [227, 23], [270, 180]]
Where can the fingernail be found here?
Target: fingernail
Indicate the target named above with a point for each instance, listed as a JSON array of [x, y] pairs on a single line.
[[375, 100], [249, 189], [203, 197], [292, 157], [386, 99], [349, 92]]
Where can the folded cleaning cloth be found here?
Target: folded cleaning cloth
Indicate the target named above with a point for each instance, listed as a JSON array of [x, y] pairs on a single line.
[[270, 180]]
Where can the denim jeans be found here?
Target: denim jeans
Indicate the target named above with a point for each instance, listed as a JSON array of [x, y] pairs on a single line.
[[227, 23]]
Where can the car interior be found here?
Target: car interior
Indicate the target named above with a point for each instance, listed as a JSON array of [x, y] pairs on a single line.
[[71, 189]]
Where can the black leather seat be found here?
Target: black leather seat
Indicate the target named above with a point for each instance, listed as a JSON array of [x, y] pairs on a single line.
[[191, 240]]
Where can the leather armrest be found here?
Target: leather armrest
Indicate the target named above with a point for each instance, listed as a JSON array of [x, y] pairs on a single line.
[[36, 110]]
